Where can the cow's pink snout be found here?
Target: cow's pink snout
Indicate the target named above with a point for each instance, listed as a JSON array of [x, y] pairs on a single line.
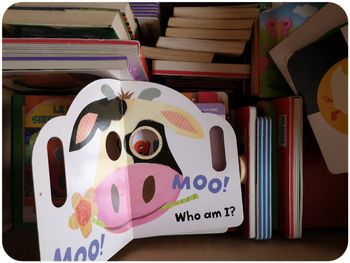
[[134, 195]]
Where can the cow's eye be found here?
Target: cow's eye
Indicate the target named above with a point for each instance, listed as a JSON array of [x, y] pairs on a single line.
[[145, 142], [113, 146]]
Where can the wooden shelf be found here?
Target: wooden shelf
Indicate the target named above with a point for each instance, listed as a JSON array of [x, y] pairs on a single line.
[[316, 244]]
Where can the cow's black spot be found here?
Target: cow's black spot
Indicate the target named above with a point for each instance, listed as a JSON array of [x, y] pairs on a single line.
[[164, 156], [106, 110]]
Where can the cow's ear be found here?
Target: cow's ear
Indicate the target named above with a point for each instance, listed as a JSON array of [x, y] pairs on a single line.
[[84, 129], [182, 122]]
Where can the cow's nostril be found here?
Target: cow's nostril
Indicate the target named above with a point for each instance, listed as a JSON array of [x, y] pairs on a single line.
[[115, 198], [149, 188]]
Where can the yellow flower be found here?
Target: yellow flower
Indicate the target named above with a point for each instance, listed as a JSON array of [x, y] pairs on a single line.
[[85, 211]]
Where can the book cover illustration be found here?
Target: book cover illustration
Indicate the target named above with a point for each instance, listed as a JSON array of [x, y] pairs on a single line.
[[128, 150], [320, 74], [275, 25]]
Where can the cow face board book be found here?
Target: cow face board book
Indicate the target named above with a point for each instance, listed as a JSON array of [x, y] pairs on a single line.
[[141, 160]]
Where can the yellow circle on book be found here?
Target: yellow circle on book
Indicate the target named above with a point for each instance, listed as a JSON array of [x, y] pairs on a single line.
[[332, 96]]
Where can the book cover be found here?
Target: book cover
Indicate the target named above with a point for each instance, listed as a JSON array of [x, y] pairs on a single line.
[[320, 74], [275, 25], [310, 31], [127, 174]]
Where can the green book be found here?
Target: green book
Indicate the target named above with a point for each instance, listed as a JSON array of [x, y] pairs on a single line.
[[30, 113]]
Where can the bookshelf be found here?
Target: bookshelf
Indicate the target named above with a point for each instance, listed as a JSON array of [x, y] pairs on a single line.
[[324, 238], [316, 245]]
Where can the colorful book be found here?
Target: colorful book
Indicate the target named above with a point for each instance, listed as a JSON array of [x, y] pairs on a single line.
[[290, 165], [266, 108], [320, 74], [30, 113], [263, 179], [275, 25], [245, 128], [314, 28]]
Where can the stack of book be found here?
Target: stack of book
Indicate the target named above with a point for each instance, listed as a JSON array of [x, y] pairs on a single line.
[[67, 20], [147, 16], [121, 59], [195, 35], [77, 42], [270, 137], [72, 54]]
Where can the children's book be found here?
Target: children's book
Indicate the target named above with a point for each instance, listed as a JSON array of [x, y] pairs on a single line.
[[128, 174], [320, 74], [275, 25], [290, 165], [314, 28], [245, 127], [263, 179], [266, 108], [30, 115]]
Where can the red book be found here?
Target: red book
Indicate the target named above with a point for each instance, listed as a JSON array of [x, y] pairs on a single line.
[[245, 128], [289, 117]]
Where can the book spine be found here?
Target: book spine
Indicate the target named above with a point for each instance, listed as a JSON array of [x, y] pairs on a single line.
[[138, 68], [17, 159], [285, 161]]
